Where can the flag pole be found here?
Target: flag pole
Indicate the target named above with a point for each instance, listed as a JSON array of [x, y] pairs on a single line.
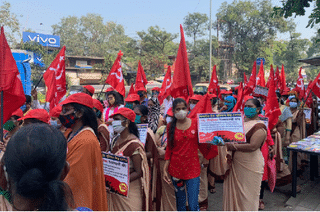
[[1, 132], [210, 38], [104, 84], [304, 101]]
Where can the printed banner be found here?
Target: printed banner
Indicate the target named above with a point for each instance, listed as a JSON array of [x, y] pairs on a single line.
[[261, 91], [265, 121], [117, 173], [307, 113], [143, 131], [228, 126]]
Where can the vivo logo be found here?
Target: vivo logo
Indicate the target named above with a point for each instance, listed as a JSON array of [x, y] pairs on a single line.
[[42, 39], [38, 38]]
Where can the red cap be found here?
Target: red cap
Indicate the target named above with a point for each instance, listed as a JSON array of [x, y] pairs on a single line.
[[246, 98], [109, 89], [79, 98], [141, 88], [196, 97], [212, 96], [285, 91], [55, 112], [40, 114], [125, 112], [132, 98], [228, 92], [156, 89], [170, 112], [89, 88], [97, 104], [18, 113]]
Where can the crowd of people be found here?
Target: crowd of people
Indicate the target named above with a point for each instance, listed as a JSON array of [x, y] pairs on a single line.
[[51, 159]]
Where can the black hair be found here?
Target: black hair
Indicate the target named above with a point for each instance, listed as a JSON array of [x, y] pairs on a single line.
[[173, 123], [143, 109], [35, 121], [117, 97], [88, 118], [136, 102], [98, 113], [28, 99], [16, 117], [257, 103], [34, 159], [133, 129]]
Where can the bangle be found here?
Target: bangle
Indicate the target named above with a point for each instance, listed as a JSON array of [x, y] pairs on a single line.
[[288, 130], [234, 146]]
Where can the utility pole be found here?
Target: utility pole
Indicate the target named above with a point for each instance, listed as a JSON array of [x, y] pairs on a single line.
[[210, 39]]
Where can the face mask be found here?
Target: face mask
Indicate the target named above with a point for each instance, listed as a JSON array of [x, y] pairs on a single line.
[[138, 119], [168, 119], [98, 113], [229, 105], [250, 112], [9, 125], [129, 105], [192, 106], [55, 124], [182, 114], [23, 107], [293, 104], [117, 126], [68, 121]]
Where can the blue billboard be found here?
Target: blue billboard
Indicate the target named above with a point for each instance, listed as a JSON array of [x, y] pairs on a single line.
[[42, 39]]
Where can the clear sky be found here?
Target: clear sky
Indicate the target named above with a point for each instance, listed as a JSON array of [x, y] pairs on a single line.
[[133, 15]]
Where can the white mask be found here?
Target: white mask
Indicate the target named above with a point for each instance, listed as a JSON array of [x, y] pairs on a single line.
[[117, 126], [168, 119], [192, 106], [182, 114]]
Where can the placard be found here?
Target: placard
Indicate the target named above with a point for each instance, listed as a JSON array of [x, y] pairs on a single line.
[[228, 126], [307, 113], [261, 91], [265, 121], [117, 173], [143, 131]]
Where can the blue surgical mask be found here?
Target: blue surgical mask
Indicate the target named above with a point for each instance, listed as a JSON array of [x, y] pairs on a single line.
[[229, 105], [55, 124], [250, 112], [23, 107], [138, 119], [293, 104], [129, 105]]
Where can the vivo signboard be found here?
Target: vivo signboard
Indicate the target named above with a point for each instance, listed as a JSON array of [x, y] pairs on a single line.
[[42, 39]]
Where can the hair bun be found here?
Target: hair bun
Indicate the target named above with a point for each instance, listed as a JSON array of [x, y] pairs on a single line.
[[32, 183]]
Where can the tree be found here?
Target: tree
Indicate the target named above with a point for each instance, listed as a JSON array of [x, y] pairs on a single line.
[[250, 27], [195, 25], [10, 22]]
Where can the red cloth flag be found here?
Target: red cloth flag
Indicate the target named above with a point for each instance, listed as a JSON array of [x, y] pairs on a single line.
[[245, 80], [141, 79], [260, 79], [165, 89], [283, 82], [214, 87], [248, 89], [115, 78], [315, 86], [277, 78], [10, 83], [272, 106], [55, 79], [300, 86], [240, 100], [181, 86], [131, 91], [309, 101]]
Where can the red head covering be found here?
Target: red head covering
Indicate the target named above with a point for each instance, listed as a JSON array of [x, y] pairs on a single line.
[[141, 88], [212, 96], [79, 98], [156, 89], [132, 98], [97, 104], [109, 89], [285, 91], [40, 114], [170, 112], [18, 113], [89, 88], [196, 97], [125, 112], [55, 112]]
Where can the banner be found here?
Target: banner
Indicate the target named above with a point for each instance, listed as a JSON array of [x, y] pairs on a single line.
[[228, 126], [307, 113], [116, 171], [143, 131], [261, 91], [265, 120]]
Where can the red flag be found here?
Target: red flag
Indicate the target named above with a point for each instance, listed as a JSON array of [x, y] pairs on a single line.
[[245, 80], [252, 81], [300, 86], [240, 100], [55, 79], [277, 79], [260, 79], [315, 86], [10, 83], [165, 89], [131, 91], [283, 82], [115, 78], [214, 87], [272, 106], [309, 101], [181, 86], [141, 79]]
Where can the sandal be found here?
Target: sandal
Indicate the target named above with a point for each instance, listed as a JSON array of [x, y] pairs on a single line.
[[212, 189], [261, 204]]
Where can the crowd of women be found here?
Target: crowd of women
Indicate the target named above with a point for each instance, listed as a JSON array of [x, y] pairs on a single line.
[[51, 160]]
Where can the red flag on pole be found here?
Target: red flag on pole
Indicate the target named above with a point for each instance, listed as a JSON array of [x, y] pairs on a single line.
[[283, 80], [300, 86], [165, 89], [181, 86], [240, 100], [245, 80], [315, 86], [131, 91], [272, 106], [115, 78], [55, 79], [214, 87], [141, 79], [248, 89], [10, 83], [277, 78], [260, 79], [309, 101]]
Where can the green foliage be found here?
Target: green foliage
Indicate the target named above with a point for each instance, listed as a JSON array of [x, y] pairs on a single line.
[[196, 25], [10, 22]]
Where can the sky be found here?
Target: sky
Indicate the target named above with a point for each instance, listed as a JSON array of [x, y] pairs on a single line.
[[133, 15]]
